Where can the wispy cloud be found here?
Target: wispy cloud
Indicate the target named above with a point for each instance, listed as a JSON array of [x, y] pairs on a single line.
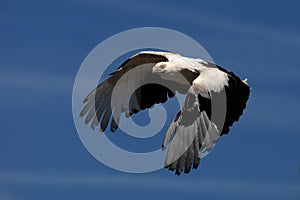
[[5, 195], [35, 81], [201, 18], [30, 90], [160, 10], [224, 187]]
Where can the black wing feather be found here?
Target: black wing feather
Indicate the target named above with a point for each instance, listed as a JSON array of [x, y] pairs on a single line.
[[97, 103]]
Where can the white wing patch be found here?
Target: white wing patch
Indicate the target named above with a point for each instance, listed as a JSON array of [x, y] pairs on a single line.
[[210, 79]]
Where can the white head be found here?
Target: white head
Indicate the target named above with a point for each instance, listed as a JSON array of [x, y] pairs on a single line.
[[165, 68], [173, 72]]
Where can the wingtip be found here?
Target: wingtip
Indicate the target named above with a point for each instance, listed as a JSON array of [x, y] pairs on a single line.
[[245, 81], [164, 145]]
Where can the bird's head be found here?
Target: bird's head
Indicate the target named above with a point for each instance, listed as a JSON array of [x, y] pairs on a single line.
[[171, 71], [164, 68]]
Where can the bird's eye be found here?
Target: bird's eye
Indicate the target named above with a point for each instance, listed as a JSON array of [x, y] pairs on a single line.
[[163, 66]]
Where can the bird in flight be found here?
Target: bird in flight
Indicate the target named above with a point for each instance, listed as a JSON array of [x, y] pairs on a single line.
[[215, 99]]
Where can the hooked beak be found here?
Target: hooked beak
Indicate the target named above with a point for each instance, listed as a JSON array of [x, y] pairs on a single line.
[[158, 68]]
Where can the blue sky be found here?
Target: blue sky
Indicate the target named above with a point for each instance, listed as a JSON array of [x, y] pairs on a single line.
[[42, 47]]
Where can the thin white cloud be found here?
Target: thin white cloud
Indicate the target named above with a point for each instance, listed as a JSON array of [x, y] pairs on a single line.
[[160, 10], [224, 187], [5, 195], [30, 90], [201, 18], [34, 81]]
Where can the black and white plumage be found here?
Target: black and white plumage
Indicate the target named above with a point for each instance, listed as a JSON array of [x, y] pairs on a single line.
[[149, 78]]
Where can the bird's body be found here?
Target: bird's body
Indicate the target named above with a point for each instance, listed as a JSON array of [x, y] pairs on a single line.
[[215, 99]]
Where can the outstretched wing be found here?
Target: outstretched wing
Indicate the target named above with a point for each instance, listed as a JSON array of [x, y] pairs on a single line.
[[195, 130], [130, 89]]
